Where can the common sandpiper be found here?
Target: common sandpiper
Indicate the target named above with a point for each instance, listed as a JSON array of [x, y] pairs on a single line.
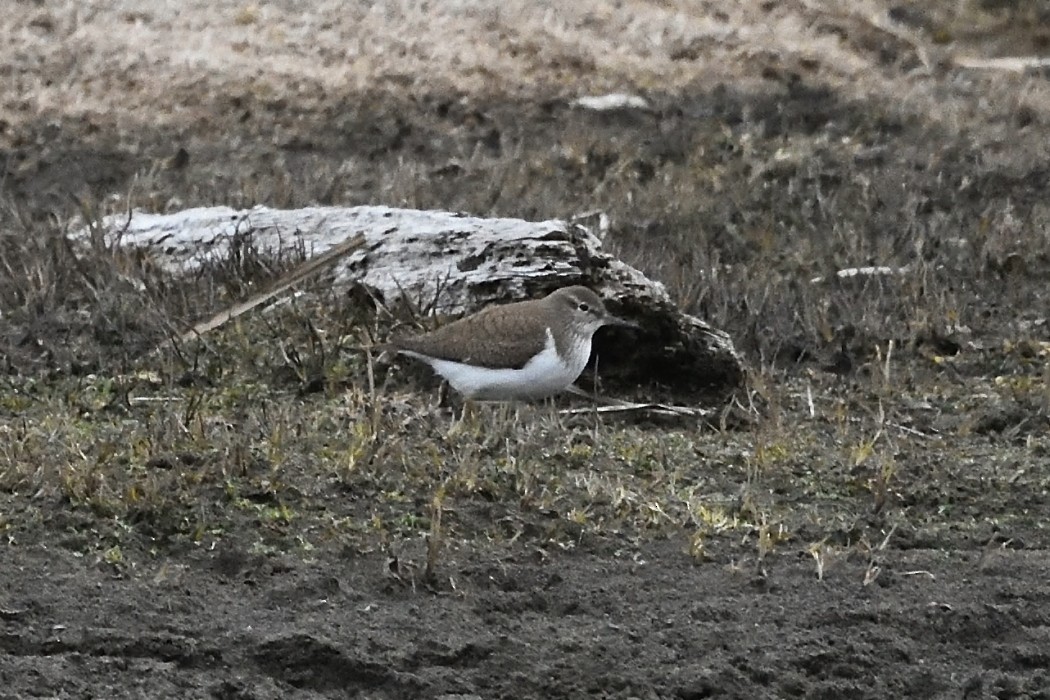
[[520, 351]]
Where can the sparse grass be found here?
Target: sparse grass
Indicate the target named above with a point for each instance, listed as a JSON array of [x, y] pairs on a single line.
[[360, 464]]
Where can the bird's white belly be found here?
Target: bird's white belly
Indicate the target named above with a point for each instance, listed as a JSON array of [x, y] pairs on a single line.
[[544, 375]]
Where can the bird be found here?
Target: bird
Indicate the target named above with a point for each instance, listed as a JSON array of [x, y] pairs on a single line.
[[522, 351]]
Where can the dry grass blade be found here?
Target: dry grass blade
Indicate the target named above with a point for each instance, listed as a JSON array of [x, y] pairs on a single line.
[[611, 405], [659, 409], [1016, 64]]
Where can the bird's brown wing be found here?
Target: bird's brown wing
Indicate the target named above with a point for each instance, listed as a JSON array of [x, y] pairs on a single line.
[[495, 337]]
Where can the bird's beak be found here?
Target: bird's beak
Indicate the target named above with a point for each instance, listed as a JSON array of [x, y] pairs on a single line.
[[611, 320]]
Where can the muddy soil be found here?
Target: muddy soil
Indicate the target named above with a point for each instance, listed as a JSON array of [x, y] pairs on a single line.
[[598, 621]]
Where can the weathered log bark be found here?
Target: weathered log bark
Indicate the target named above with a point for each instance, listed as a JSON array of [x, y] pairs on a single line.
[[463, 263]]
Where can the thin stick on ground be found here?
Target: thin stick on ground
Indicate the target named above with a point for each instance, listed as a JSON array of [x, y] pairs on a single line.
[[304, 271]]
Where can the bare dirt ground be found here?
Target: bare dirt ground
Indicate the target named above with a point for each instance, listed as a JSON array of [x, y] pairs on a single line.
[[246, 519]]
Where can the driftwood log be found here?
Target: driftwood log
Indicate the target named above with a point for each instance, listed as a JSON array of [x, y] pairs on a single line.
[[462, 263]]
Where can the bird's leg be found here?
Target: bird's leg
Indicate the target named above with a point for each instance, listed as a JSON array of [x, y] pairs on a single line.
[[467, 413], [550, 408], [509, 412], [470, 411]]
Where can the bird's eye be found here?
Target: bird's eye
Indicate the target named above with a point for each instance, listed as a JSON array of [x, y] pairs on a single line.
[[584, 306]]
